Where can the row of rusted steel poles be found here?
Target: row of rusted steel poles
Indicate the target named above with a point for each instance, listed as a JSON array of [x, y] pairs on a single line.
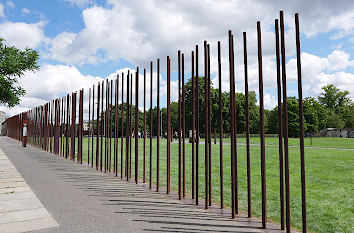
[[53, 126]]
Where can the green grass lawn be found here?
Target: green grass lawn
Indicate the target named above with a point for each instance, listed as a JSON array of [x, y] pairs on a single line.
[[329, 179], [346, 143]]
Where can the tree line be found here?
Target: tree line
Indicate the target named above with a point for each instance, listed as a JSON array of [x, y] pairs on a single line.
[[332, 109]]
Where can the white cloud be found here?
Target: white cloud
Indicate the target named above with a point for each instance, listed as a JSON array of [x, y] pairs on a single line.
[[2, 14], [318, 71], [23, 35], [10, 4], [25, 11]]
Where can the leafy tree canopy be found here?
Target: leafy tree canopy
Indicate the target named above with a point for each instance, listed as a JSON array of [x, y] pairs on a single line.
[[13, 63]]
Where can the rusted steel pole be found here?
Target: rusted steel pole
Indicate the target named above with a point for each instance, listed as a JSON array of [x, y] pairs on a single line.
[[209, 127], [144, 150], [151, 129], [102, 128], [280, 126], [67, 126], [215, 135], [127, 136], [73, 126], [81, 121], [183, 128], [110, 127], [193, 125], [50, 125], [235, 133], [197, 130], [158, 128], [122, 130], [98, 126], [301, 121], [61, 125], [285, 123], [248, 156], [232, 113], [220, 129], [179, 127], [116, 124], [93, 122], [89, 131], [136, 125], [206, 124], [105, 112], [131, 125], [168, 165], [261, 110]]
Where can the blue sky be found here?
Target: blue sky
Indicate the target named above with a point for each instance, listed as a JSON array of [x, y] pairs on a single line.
[[80, 42]]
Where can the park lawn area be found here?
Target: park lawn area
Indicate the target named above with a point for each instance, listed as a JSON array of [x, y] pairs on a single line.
[[329, 180], [327, 142]]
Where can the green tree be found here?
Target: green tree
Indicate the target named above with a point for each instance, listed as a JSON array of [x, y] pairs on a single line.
[[333, 98], [13, 63]]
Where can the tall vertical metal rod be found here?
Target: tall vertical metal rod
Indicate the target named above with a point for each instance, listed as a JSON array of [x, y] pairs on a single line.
[[136, 125], [232, 113], [197, 131], [183, 128], [67, 126], [179, 127], [158, 128], [193, 125], [301, 121], [50, 125], [261, 110], [130, 125], [51, 103], [106, 127], [98, 126], [81, 121], [122, 130], [102, 129], [206, 124], [93, 122], [127, 137], [285, 123], [220, 130], [235, 132], [151, 129], [116, 125], [248, 156], [144, 150], [89, 131], [61, 125], [280, 127], [110, 127], [168, 165], [209, 128], [73, 126]]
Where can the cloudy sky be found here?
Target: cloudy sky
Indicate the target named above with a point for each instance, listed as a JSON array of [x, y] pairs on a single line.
[[81, 42]]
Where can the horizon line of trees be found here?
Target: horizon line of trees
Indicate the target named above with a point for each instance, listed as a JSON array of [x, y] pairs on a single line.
[[332, 109]]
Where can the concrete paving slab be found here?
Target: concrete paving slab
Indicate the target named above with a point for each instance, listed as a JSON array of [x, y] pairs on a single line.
[[20, 209]]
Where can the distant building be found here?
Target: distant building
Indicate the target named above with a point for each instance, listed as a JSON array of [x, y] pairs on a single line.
[[2, 119], [86, 126], [339, 133]]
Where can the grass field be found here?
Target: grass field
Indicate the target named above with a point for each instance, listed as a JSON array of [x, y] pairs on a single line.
[[329, 179]]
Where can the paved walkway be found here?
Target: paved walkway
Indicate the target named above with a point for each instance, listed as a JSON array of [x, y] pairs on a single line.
[[20, 209], [81, 199]]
